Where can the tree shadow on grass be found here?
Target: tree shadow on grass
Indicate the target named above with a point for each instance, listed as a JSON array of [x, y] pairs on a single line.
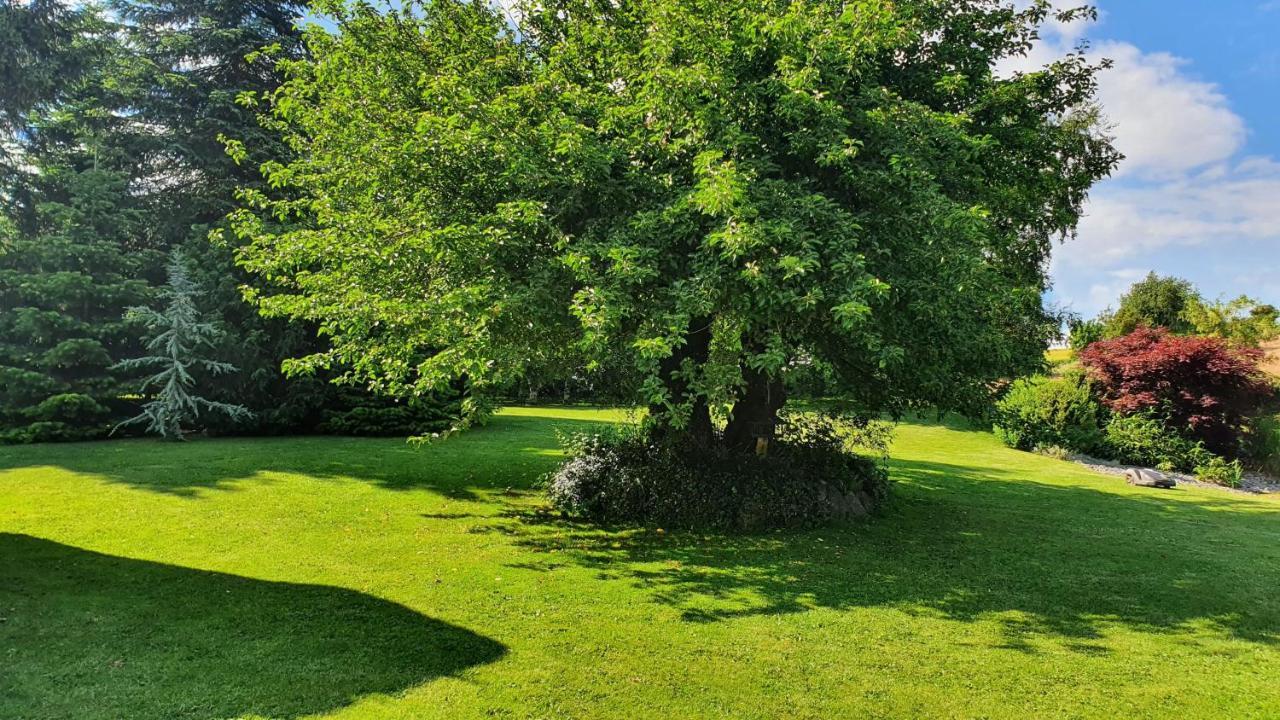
[[509, 452], [85, 635], [968, 544]]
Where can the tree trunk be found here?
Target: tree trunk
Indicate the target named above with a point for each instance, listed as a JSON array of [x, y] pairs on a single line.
[[754, 418], [697, 348]]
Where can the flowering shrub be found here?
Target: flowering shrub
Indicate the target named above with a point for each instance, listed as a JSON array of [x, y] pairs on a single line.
[[1200, 387]]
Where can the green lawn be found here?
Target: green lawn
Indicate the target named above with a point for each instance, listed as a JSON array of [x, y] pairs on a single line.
[[368, 579], [1058, 356]]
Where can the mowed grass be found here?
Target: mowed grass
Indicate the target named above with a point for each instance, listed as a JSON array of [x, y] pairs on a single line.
[[352, 578], [1057, 356]]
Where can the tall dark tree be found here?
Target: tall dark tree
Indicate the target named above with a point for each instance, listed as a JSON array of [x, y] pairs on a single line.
[[46, 49], [206, 56], [41, 47], [79, 249], [63, 291], [203, 55]]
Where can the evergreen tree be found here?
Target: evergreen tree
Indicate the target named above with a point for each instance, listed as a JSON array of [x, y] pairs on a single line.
[[177, 339], [208, 57], [204, 56], [62, 291], [79, 249], [41, 45], [111, 157]]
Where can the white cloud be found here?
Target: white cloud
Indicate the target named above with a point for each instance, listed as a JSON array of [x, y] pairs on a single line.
[[1183, 185], [1164, 122], [1112, 285], [1239, 202]]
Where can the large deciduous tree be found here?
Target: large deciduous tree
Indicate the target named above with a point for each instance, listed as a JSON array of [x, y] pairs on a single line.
[[715, 191]]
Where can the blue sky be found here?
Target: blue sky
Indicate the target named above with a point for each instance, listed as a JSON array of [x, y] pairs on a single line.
[[1194, 102]]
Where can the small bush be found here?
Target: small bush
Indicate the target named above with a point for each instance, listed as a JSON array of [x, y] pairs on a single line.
[[47, 431], [1042, 412], [1221, 472], [70, 408], [809, 477], [1146, 441]]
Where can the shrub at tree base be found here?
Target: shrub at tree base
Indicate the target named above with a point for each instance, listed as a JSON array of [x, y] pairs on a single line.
[[637, 478], [1041, 412], [1201, 387]]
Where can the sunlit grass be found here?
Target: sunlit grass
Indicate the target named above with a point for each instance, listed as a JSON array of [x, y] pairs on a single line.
[[359, 578]]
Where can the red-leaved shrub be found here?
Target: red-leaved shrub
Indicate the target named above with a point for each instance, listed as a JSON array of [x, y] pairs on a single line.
[[1202, 387]]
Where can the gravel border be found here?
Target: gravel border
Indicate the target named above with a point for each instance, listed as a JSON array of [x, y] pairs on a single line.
[[1252, 484]]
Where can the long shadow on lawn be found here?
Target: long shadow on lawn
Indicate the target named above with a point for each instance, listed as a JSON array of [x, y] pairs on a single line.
[[968, 544], [516, 452], [86, 635]]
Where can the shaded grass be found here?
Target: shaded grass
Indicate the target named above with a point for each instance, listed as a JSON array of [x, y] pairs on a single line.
[[90, 635], [997, 584]]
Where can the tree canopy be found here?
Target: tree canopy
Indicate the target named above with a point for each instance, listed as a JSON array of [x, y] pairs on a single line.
[[1243, 321], [1154, 302], [714, 192]]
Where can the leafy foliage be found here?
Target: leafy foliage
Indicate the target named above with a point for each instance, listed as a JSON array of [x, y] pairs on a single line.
[[1220, 471], [387, 417], [710, 190], [1083, 333], [1154, 302], [177, 338], [1042, 412], [1149, 442], [111, 158], [1243, 320], [1262, 444], [1201, 387]]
